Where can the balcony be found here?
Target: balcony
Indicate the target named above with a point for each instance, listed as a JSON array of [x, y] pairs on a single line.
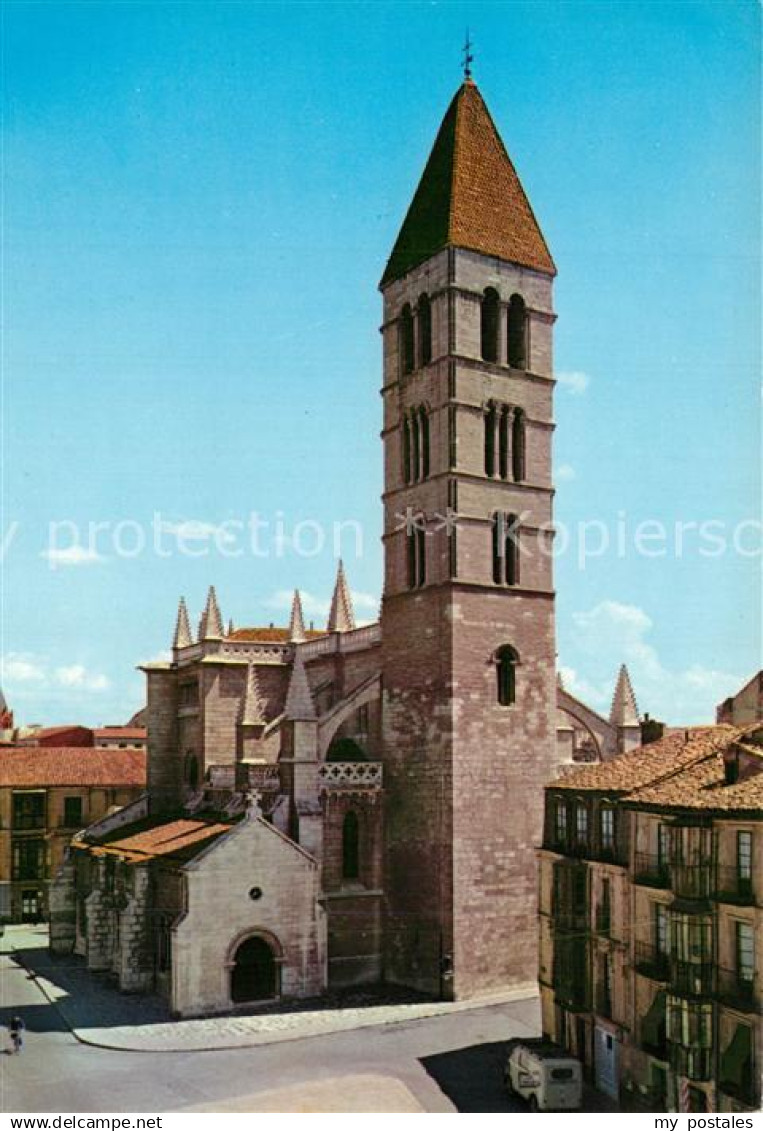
[[693, 1063], [651, 962], [651, 871], [692, 978], [730, 887], [737, 991], [351, 777], [692, 881]]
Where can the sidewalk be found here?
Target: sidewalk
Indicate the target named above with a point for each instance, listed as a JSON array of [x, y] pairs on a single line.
[[97, 1014]]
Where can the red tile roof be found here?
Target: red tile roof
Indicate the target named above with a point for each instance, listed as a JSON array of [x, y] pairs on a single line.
[[270, 635], [42, 766], [120, 732], [469, 196], [148, 839], [684, 770]]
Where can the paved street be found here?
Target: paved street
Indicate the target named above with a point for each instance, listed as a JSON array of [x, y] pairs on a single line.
[[448, 1062]]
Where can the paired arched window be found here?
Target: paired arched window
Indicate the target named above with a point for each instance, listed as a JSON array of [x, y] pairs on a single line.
[[498, 435], [425, 330], [517, 333], [407, 349], [518, 446], [417, 550], [416, 450], [506, 549], [506, 664], [351, 847], [489, 314]]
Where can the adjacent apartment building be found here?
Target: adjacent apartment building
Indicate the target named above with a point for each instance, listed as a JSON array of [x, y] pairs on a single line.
[[47, 794], [651, 920]]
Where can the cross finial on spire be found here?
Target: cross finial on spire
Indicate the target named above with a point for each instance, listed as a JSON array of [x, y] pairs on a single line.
[[468, 57]]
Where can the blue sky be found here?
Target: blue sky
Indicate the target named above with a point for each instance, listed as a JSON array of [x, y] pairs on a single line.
[[198, 203]]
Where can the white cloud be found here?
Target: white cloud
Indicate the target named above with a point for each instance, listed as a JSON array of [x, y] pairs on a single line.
[[574, 381], [19, 668], [565, 472], [612, 633], [76, 676], [74, 555], [194, 530]]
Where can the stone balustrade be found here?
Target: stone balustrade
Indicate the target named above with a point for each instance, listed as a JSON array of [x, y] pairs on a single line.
[[350, 775]]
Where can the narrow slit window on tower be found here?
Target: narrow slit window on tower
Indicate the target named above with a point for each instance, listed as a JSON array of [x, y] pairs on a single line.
[[503, 443], [511, 549], [518, 446], [421, 556], [406, 450], [410, 545], [406, 339], [506, 662], [517, 333], [415, 447], [452, 447], [490, 419], [498, 546], [351, 847], [424, 423], [489, 324], [425, 329]]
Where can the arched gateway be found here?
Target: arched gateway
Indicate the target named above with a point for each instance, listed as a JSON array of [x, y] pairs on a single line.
[[254, 976]]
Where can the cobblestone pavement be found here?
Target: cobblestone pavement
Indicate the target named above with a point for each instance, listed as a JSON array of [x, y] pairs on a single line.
[[100, 1015]]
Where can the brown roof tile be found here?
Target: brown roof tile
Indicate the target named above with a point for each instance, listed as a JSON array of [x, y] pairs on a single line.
[[42, 766], [648, 764], [469, 196], [270, 635], [148, 839]]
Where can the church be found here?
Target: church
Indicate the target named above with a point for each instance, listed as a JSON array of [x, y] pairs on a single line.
[[346, 806]]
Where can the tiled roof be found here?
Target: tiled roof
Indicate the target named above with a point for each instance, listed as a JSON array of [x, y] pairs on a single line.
[[120, 732], [648, 764], [42, 766], [145, 840], [684, 770], [469, 196], [270, 635]]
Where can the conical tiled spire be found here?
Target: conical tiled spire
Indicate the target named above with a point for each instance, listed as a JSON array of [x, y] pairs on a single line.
[[624, 711], [469, 196], [297, 621], [299, 705], [182, 637], [254, 704], [212, 621], [341, 617]]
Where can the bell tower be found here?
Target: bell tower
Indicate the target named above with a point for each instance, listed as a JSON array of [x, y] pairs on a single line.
[[468, 646]]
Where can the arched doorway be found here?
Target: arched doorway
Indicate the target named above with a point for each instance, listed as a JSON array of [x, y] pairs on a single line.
[[254, 976]]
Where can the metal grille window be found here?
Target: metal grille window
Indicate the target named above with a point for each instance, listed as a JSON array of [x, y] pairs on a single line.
[[661, 937], [663, 845], [29, 859], [690, 1023], [29, 810]]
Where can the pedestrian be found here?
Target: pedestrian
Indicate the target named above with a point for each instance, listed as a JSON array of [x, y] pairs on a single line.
[[17, 1028]]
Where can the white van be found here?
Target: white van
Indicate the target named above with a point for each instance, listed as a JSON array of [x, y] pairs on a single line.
[[544, 1075]]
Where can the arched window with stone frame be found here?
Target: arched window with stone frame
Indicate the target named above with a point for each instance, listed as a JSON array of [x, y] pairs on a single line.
[[518, 446], [407, 346], [490, 426], [424, 430], [351, 846], [489, 319], [517, 333], [506, 660], [415, 446], [406, 450], [425, 329]]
